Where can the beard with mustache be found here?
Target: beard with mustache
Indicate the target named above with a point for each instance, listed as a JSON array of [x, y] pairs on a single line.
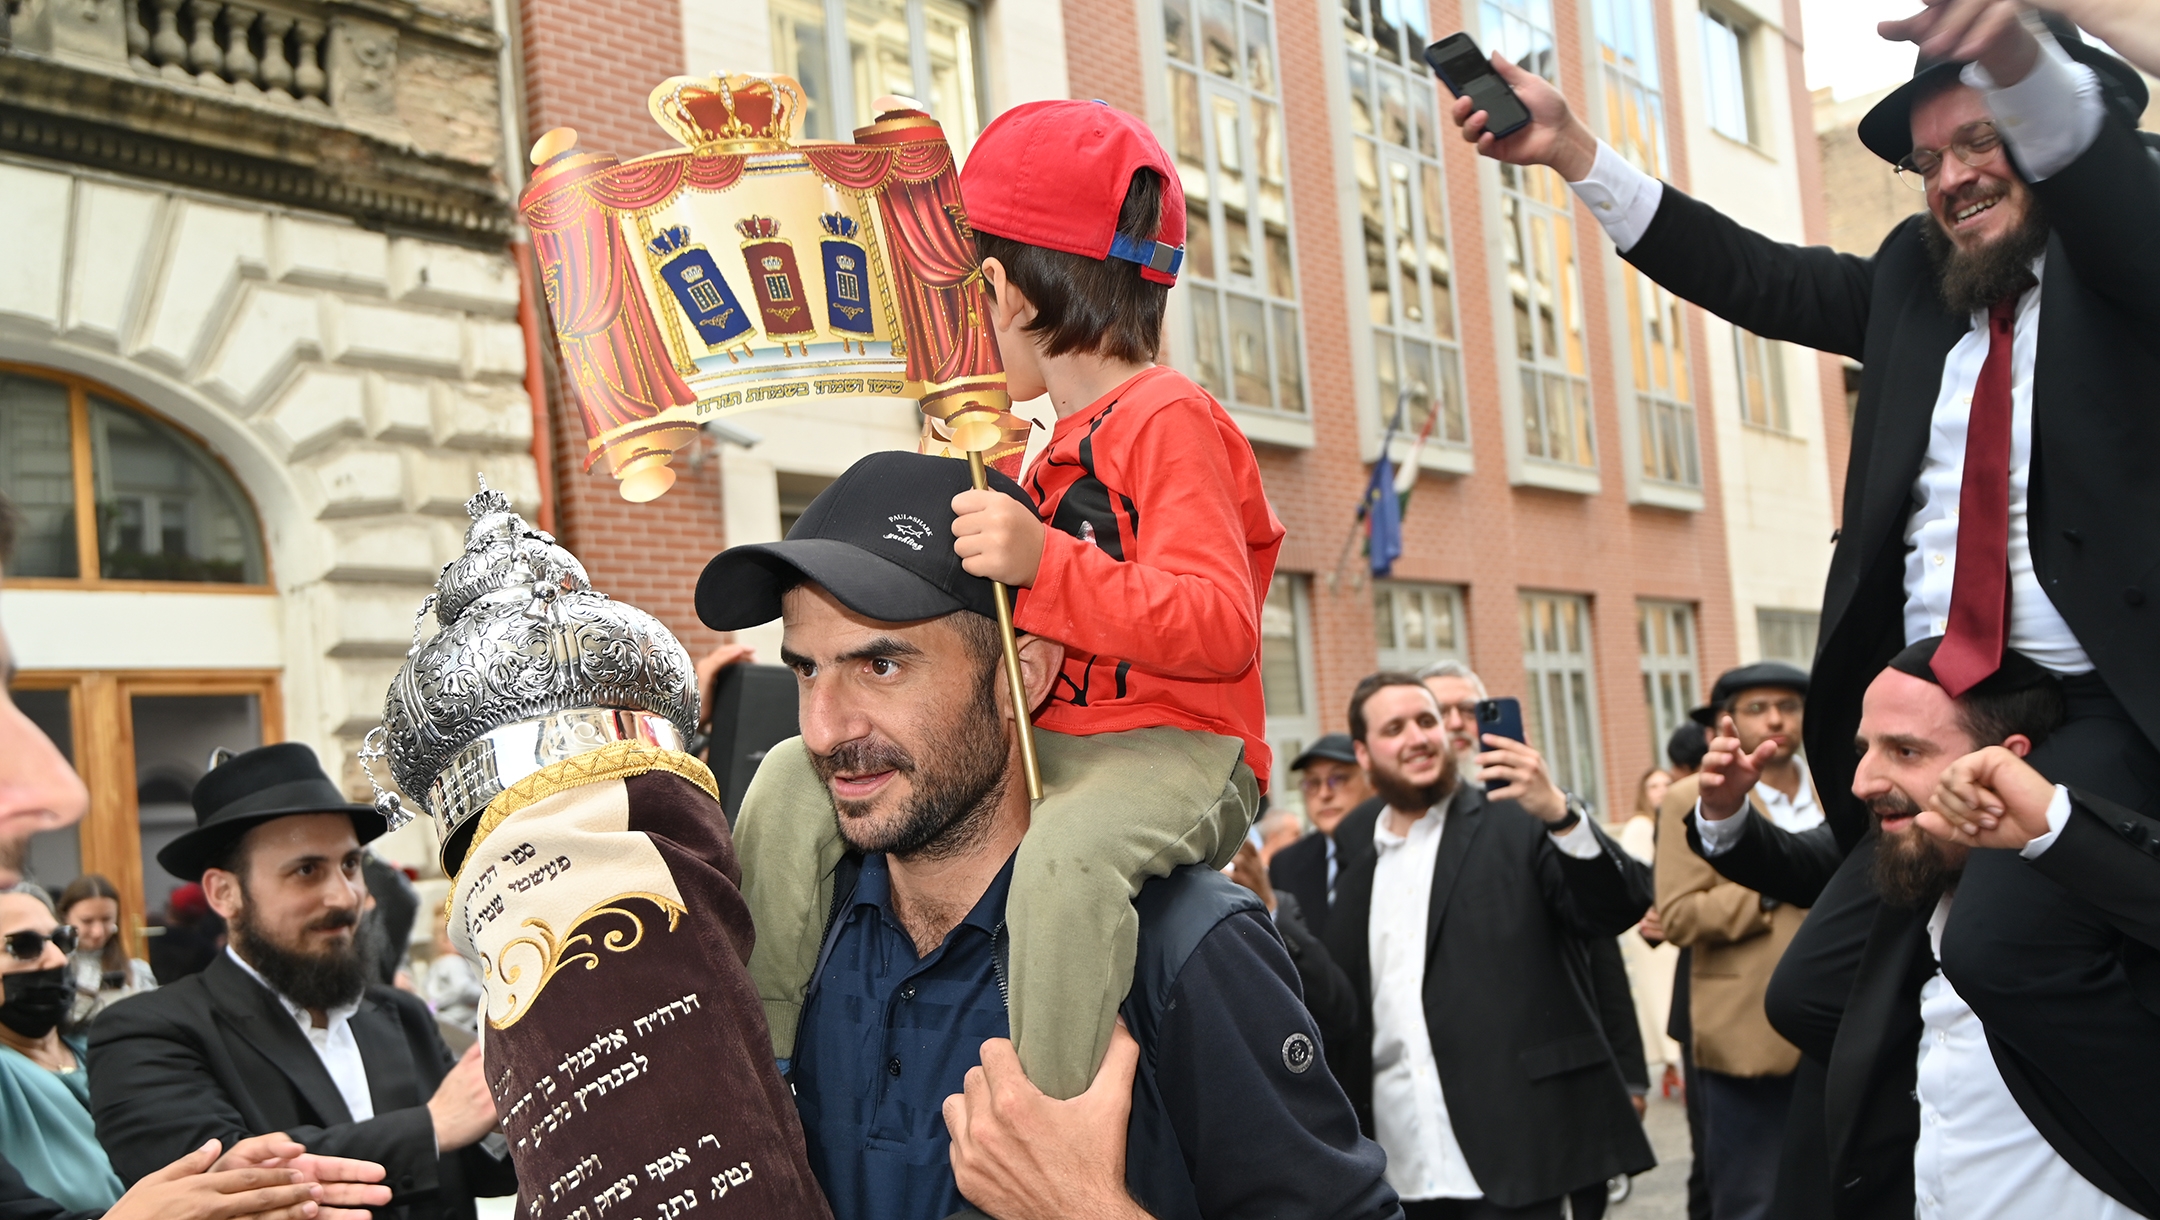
[[1400, 793], [1911, 869], [1999, 270], [951, 800], [329, 979]]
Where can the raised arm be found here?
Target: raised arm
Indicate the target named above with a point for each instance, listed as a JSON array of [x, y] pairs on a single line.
[[1812, 295]]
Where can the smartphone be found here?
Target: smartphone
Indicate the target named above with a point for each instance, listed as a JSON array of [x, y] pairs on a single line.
[[1465, 70], [1501, 718]]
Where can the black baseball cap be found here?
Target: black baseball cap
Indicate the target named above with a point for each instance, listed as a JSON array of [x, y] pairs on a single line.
[[880, 539], [1335, 747], [1748, 677]]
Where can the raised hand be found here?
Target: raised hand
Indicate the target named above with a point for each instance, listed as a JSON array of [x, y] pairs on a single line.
[[1990, 31], [1730, 773], [1989, 798], [1553, 136], [1529, 782], [463, 1109]]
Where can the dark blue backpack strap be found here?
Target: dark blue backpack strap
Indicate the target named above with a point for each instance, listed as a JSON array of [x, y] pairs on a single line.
[[1176, 913], [845, 876]]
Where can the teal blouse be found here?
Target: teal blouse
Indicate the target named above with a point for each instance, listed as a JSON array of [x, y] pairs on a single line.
[[47, 1135]]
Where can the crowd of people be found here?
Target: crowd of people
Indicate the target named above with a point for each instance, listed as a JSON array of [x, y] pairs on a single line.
[[1891, 924]]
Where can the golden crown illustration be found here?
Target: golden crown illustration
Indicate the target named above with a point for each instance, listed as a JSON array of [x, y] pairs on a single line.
[[737, 112]]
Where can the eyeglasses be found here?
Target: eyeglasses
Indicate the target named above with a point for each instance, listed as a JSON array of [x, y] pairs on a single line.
[[1332, 783], [1466, 710], [1976, 144], [1759, 707], [30, 946]]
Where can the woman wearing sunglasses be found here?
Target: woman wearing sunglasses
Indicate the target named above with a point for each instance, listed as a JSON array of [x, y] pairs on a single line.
[[45, 1127]]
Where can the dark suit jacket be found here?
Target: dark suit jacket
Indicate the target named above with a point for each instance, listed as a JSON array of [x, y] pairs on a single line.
[[1848, 994], [2094, 504], [1301, 869], [214, 1055], [1534, 1092]]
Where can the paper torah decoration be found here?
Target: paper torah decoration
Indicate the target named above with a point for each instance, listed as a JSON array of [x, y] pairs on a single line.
[[747, 270]]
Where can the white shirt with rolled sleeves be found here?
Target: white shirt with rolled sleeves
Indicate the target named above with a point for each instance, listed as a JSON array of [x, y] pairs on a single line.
[[2048, 119], [1410, 1114]]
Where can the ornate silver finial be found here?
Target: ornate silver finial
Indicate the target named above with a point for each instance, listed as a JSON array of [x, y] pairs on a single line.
[[530, 665], [386, 803]]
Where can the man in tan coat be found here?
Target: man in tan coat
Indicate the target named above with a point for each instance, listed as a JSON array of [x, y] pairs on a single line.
[[1735, 937]]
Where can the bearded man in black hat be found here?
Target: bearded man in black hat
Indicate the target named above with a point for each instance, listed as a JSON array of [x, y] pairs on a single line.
[[288, 1029]]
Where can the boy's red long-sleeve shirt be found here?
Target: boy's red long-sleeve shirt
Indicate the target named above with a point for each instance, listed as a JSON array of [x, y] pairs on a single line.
[[1158, 557]]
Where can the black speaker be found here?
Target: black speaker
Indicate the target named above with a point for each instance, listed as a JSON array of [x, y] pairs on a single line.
[[753, 710]]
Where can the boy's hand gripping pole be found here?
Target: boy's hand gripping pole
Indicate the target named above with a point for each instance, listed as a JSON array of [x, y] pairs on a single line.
[[1015, 683], [973, 436]]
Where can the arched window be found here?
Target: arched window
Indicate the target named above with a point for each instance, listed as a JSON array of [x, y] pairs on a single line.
[[111, 494]]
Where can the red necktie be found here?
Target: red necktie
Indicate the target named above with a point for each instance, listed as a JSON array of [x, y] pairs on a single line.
[[1972, 648]]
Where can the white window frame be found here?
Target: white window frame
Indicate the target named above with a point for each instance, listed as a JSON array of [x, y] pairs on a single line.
[[1772, 619], [1728, 51], [1396, 603], [1535, 194], [1399, 188], [1565, 673], [839, 68], [1762, 395], [1289, 733], [1668, 638], [1201, 299]]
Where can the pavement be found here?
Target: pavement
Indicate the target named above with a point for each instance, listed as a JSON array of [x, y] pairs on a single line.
[[1661, 1194]]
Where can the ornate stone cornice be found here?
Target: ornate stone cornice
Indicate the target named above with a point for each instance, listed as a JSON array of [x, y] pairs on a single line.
[[129, 123]]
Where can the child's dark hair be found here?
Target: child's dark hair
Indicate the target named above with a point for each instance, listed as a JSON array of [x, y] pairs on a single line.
[[1092, 305]]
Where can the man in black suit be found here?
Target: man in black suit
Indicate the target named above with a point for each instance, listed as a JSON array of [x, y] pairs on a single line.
[[264, 1176], [1860, 987], [287, 1030], [1332, 784], [1479, 1060]]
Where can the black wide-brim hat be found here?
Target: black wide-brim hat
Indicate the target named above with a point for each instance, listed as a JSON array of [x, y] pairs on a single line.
[[249, 789], [1776, 674], [1886, 130], [880, 539]]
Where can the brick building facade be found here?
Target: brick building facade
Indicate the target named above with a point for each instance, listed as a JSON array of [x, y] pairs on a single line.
[[1569, 533]]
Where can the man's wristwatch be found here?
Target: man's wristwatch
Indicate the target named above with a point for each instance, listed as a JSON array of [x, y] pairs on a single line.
[[1577, 811]]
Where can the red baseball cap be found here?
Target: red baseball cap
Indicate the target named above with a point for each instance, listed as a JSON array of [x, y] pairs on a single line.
[[1054, 174]]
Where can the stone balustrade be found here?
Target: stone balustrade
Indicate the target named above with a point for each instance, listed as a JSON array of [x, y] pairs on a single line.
[[385, 106]]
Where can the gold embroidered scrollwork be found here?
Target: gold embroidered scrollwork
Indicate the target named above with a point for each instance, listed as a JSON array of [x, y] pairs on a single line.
[[559, 951]]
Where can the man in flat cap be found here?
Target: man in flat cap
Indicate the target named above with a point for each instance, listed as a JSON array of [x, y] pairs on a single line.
[[288, 1029], [1735, 936], [1332, 784]]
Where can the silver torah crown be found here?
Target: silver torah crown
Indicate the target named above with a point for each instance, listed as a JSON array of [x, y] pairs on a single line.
[[531, 666]]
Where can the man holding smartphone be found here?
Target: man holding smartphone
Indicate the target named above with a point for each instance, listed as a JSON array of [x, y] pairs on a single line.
[[1461, 915]]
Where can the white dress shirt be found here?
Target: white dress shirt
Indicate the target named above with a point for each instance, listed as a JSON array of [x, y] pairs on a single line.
[[333, 1044], [2048, 119], [1410, 1113], [1793, 813], [1979, 1156]]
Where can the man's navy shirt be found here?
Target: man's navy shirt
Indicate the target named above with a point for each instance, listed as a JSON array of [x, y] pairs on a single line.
[[884, 1040]]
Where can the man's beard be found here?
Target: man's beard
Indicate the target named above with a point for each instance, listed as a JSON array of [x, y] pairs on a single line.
[[952, 797], [1401, 794], [330, 979], [1911, 868], [1999, 270]]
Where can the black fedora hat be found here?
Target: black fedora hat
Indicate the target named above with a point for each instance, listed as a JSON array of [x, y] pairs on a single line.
[[1886, 130], [1749, 677], [252, 788]]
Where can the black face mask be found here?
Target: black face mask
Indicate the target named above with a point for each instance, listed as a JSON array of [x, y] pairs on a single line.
[[36, 1000]]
